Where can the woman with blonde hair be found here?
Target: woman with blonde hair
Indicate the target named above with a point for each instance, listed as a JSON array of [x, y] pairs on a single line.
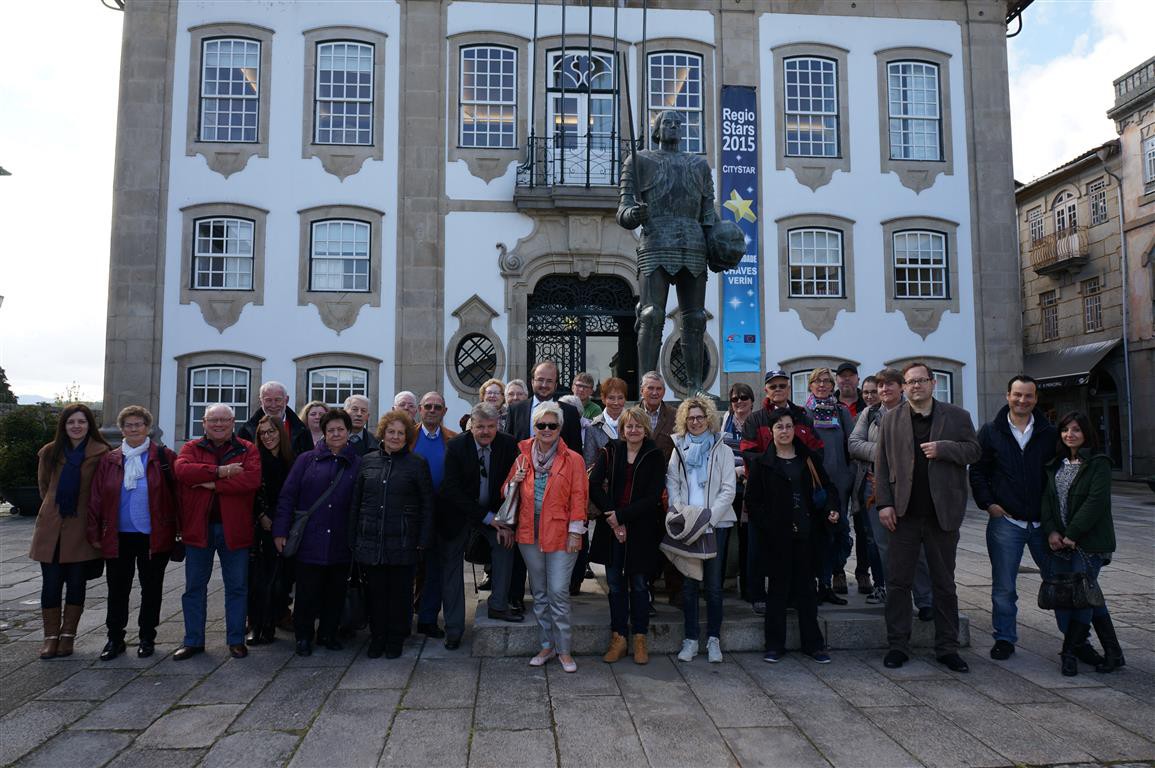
[[701, 474], [311, 413]]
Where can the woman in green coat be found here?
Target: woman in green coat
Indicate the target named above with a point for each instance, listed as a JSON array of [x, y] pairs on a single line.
[[1077, 515]]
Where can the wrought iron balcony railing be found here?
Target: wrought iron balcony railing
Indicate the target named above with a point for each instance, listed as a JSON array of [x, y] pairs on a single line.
[[1060, 251], [579, 161]]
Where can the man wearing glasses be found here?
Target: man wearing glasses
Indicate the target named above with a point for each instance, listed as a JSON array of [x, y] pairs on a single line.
[[544, 386], [756, 435], [924, 447], [429, 443]]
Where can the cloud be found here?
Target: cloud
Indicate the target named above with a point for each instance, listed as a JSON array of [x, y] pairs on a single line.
[[1058, 107]]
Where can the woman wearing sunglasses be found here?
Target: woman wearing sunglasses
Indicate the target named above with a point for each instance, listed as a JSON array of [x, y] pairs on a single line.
[[751, 585], [550, 524]]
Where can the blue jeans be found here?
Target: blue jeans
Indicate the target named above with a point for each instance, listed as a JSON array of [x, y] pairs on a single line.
[[712, 570], [1068, 561], [1005, 542], [629, 594], [198, 568]]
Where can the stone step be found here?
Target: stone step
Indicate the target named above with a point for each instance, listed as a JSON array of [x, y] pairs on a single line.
[[856, 626]]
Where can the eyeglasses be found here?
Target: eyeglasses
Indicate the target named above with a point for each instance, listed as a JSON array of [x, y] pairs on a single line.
[[695, 419], [912, 382], [220, 420], [547, 426], [777, 386], [824, 381], [433, 407], [266, 432], [739, 398]]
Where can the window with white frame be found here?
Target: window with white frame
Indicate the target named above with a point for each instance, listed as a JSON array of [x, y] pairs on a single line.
[[816, 263], [800, 386], [920, 265], [1149, 161], [811, 107], [1098, 194], [914, 109], [223, 254], [230, 90], [343, 99], [488, 97], [943, 386], [1066, 212], [676, 84], [1092, 305], [339, 258], [333, 385], [212, 384], [1035, 223], [1049, 301]]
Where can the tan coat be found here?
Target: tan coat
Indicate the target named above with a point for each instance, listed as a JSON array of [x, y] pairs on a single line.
[[72, 533]]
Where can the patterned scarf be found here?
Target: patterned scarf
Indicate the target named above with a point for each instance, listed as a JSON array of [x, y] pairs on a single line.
[[823, 411], [543, 462]]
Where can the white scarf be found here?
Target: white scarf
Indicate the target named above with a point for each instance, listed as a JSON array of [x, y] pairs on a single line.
[[133, 465]]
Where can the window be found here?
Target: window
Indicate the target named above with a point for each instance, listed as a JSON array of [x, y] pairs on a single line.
[[230, 90], [1049, 300], [340, 256], [676, 83], [333, 385], [344, 93], [811, 113], [488, 96], [212, 384], [1098, 192], [800, 386], [815, 263], [912, 96], [1035, 222], [1092, 305], [1149, 161], [1065, 212], [943, 386], [475, 359], [920, 265], [223, 254]]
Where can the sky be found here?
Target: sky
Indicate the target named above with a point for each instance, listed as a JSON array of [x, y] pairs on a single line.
[[58, 131]]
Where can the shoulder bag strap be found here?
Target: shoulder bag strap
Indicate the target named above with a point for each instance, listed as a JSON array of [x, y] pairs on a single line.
[[813, 473], [328, 491]]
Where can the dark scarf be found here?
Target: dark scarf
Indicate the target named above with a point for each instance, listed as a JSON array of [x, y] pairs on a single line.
[[273, 474], [68, 487]]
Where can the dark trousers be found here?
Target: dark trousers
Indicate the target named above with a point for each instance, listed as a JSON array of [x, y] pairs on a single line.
[[390, 600], [793, 567], [53, 578], [915, 531], [629, 594], [445, 584], [320, 595], [268, 595], [517, 579], [133, 557], [862, 547]]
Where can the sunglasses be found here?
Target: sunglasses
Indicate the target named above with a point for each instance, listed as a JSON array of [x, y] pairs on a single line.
[[547, 425], [433, 407], [739, 399]]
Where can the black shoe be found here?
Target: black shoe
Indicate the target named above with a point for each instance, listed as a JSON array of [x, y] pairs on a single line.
[[239, 651], [510, 616], [827, 595], [252, 637], [331, 644], [1076, 636], [304, 648], [589, 574], [1002, 650], [486, 584], [954, 663], [517, 606], [926, 613], [376, 648], [840, 583], [452, 643], [392, 651], [430, 630], [1087, 654], [865, 586], [267, 635], [186, 652], [145, 649], [1112, 651], [575, 591], [894, 659], [112, 649]]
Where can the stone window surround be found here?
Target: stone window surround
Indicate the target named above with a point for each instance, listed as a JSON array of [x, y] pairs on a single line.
[[343, 160], [227, 158], [190, 360], [816, 314], [812, 172], [937, 365], [370, 365], [915, 174], [922, 314], [339, 309], [222, 308], [486, 163], [474, 316], [665, 356]]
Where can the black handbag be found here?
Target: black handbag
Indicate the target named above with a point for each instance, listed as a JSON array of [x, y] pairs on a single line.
[[1070, 591], [301, 518], [477, 549], [355, 613]]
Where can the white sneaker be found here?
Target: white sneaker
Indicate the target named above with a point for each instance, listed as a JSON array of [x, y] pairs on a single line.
[[689, 650], [713, 650]]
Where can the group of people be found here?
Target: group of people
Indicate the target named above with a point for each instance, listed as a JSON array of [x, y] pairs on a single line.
[[299, 506]]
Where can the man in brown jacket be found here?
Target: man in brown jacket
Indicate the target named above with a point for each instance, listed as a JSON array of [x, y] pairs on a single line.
[[920, 471]]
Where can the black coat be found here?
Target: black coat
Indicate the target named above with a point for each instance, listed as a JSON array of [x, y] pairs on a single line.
[[520, 414], [770, 494], [1011, 477], [300, 438], [459, 487], [391, 516], [643, 516], [367, 444]]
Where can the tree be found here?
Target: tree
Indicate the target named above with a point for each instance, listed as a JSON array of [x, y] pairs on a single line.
[[6, 394]]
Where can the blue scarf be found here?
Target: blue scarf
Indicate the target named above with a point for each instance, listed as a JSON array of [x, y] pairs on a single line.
[[68, 487], [696, 450]]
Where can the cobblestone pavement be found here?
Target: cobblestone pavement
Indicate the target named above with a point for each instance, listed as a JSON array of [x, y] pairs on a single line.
[[440, 708]]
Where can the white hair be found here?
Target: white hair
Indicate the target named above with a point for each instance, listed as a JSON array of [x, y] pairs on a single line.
[[355, 398], [219, 407], [653, 376], [401, 395], [549, 407], [573, 400], [268, 385]]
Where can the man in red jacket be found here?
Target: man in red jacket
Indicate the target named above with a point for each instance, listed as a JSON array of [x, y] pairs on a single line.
[[218, 477]]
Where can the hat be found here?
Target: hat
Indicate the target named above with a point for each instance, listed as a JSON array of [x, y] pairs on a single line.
[[775, 374], [844, 368]]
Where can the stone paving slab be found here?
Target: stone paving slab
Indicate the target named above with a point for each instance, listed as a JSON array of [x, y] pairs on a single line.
[[91, 749], [137, 704], [595, 730], [533, 748], [498, 710], [143, 757], [290, 701], [190, 727], [730, 696], [931, 738], [428, 737], [351, 727], [772, 747], [30, 725], [1102, 739], [251, 749]]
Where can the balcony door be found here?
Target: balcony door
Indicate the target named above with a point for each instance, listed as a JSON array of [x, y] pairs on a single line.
[[582, 107]]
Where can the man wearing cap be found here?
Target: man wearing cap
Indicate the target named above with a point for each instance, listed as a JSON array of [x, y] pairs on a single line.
[[756, 435], [848, 392]]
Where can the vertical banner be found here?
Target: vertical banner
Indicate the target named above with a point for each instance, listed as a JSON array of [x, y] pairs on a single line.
[[741, 288]]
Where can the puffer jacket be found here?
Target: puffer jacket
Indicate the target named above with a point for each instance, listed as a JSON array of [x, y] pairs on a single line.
[[391, 517], [721, 482], [104, 502]]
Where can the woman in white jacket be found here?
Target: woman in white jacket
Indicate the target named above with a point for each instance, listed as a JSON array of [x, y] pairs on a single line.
[[701, 474]]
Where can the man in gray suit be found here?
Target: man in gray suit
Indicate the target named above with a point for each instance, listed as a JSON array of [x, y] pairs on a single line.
[[924, 448]]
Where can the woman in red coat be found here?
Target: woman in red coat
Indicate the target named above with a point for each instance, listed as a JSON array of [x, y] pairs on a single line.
[[132, 521]]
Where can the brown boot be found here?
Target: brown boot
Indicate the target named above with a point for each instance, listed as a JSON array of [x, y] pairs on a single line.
[[617, 649], [641, 654], [51, 618], [68, 628]]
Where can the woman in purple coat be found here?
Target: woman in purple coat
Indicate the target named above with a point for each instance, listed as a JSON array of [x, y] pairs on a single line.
[[321, 480]]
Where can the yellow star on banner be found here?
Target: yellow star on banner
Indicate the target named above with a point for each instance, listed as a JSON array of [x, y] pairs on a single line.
[[739, 207]]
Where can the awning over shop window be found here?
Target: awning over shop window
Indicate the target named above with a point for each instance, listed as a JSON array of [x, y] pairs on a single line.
[[1070, 367]]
